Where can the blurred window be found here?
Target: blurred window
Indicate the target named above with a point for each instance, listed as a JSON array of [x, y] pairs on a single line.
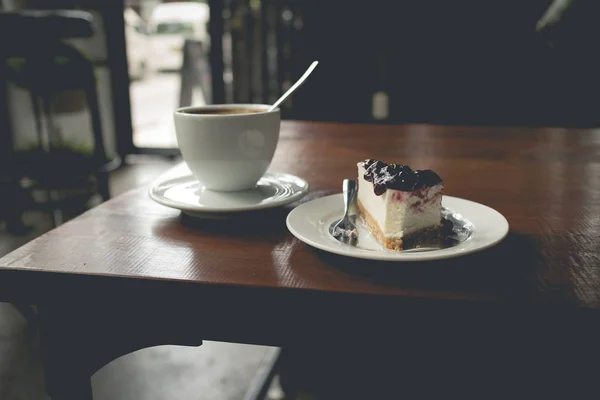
[[174, 28]]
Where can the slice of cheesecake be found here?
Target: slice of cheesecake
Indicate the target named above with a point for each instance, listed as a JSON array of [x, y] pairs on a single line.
[[401, 207]]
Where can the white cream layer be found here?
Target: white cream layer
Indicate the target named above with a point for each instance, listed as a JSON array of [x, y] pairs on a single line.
[[400, 213]]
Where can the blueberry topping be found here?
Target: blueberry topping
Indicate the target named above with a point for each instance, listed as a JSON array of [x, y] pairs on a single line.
[[373, 168], [367, 163], [379, 189], [397, 177], [427, 177]]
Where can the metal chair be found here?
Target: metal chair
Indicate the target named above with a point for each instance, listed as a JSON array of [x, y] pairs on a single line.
[[39, 61]]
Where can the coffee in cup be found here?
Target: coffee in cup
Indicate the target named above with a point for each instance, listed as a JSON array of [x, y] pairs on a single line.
[[224, 111]]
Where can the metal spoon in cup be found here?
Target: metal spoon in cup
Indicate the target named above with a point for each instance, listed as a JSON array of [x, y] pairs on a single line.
[[296, 86]]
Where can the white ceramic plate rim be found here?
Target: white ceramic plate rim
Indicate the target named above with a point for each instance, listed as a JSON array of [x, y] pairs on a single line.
[[188, 208], [310, 221]]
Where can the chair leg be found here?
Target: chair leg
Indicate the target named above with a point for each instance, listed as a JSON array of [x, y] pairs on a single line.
[[103, 185], [99, 149], [52, 136], [55, 211], [92, 100], [14, 207], [37, 112]]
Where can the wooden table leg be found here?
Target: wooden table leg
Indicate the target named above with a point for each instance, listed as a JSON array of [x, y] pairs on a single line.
[[78, 339], [65, 356]]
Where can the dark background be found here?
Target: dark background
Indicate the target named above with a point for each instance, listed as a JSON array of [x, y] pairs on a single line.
[[454, 62], [469, 62]]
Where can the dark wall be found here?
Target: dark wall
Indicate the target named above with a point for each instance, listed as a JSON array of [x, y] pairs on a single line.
[[456, 62]]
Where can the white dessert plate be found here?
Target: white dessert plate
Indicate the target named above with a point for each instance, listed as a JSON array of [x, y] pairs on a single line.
[[310, 223], [185, 193]]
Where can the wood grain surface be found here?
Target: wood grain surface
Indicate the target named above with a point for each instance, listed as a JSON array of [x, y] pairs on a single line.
[[546, 182]]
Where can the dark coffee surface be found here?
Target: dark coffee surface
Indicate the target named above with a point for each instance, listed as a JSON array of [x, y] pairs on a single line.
[[225, 111]]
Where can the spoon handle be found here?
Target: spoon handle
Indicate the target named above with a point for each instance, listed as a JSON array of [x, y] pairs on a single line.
[[295, 86], [349, 189]]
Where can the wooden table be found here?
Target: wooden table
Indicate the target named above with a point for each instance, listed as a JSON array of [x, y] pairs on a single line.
[[131, 273]]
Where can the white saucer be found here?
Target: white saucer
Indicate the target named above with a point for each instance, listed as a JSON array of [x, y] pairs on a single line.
[[185, 193], [310, 223]]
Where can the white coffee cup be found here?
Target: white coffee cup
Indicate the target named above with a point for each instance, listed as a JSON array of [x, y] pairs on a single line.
[[227, 152]]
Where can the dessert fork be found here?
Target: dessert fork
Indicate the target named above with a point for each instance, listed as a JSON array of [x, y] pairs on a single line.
[[345, 230]]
